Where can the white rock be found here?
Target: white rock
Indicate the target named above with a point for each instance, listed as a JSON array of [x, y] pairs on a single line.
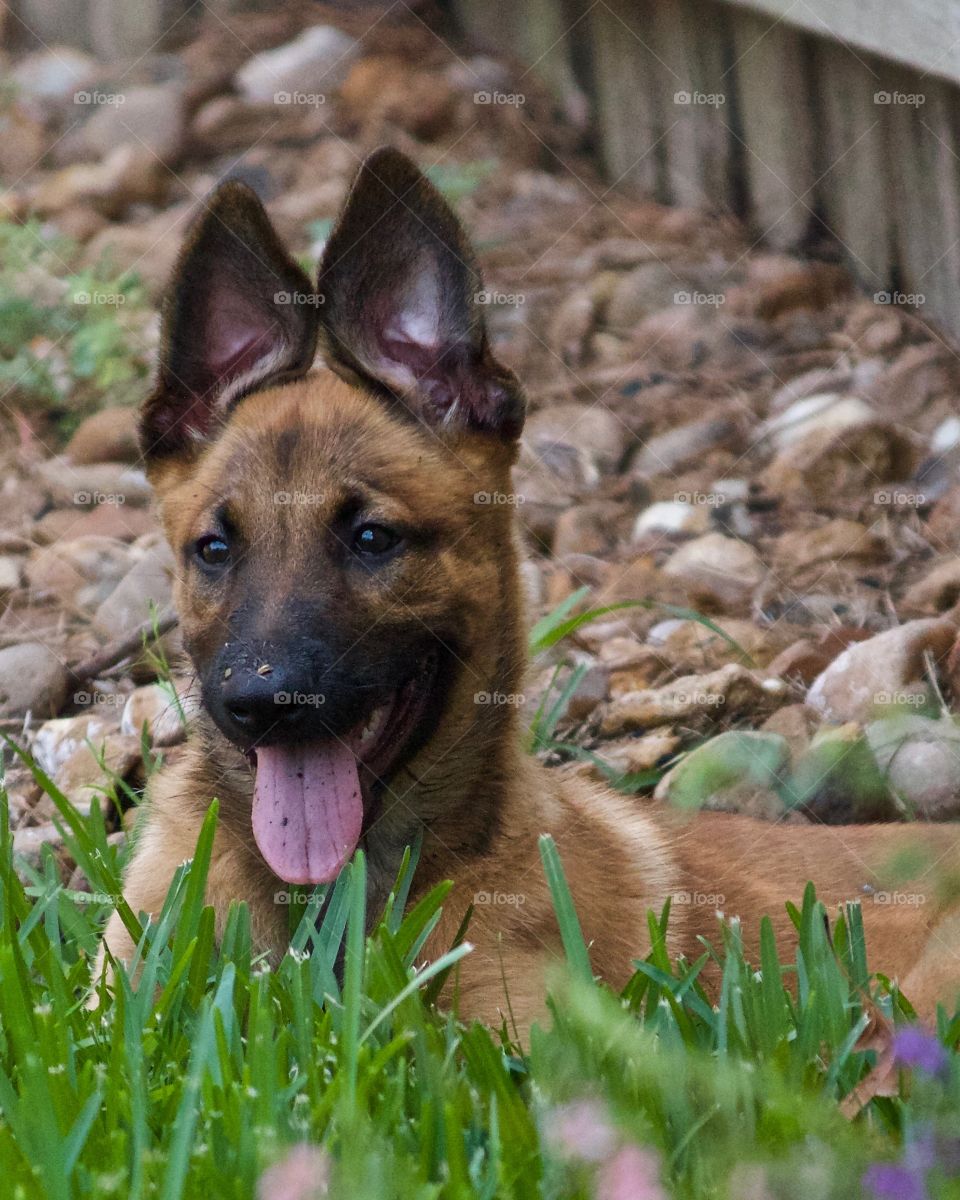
[[672, 516], [315, 62], [946, 436], [824, 411]]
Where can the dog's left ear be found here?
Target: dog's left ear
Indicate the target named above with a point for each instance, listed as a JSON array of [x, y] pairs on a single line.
[[401, 304], [239, 314]]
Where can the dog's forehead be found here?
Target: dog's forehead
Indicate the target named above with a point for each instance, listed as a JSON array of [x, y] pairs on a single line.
[[323, 436]]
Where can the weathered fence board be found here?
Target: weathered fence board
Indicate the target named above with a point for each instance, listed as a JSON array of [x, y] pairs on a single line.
[[838, 117]]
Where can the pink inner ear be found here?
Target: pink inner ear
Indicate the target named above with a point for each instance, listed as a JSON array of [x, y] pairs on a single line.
[[236, 339]]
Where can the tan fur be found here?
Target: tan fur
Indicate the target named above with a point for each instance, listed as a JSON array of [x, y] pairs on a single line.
[[481, 801]]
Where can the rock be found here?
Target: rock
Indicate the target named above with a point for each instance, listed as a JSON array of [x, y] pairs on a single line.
[[11, 569], [717, 571], [383, 93], [161, 710], [827, 463], [91, 771], [590, 428], [639, 674], [837, 539], [693, 699], [693, 646], [150, 118], [589, 692], [314, 63], [823, 412], [937, 591], [946, 436], [107, 436], [57, 741], [943, 524], [82, 571], [736, 771], [921, 759], [645, 289], [128, 175], [231, 123], [147, 587], [592, 528], [801, 662], [794, 723], [547, 483], [23, 144], [92, 484], [53, 76], [32, 680], [879, 671], [671, 516], [837, 780], [28, 843], [630, 756], [685, 445]]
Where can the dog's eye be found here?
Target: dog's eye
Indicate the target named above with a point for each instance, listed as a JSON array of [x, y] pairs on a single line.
[[213, 551], [374, 539]]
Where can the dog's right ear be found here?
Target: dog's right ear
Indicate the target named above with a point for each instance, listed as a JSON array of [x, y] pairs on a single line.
[[239, 314]]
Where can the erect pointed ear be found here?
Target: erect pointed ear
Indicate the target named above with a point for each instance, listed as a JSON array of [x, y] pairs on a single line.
[[238, 314], [401, 304]]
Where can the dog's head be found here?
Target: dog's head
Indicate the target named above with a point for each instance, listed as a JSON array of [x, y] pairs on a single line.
[[343, 588]]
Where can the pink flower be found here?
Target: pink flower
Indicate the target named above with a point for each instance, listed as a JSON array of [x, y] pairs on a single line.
[[582, 1131], [302, 1174], [633, 1173]]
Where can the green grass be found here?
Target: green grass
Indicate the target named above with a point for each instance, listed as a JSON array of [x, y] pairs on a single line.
[[196, 1080]]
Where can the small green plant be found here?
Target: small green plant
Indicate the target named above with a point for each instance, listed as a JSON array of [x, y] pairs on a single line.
[[72, 336]]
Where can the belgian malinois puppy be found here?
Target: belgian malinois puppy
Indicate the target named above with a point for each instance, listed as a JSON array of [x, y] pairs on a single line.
[[346, 596]]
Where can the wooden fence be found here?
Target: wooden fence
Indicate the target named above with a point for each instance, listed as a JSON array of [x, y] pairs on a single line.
[[812, 119]]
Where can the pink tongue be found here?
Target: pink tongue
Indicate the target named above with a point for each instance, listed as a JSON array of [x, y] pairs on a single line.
[[307, 810]]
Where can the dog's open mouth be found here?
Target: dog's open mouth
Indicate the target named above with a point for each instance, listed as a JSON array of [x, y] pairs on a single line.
[[309, 797]]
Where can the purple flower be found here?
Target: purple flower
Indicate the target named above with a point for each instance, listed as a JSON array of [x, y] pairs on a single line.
[[914, 1047], [891, 1181]]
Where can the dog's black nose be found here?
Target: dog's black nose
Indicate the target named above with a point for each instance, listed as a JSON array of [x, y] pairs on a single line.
[[261, 706]]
